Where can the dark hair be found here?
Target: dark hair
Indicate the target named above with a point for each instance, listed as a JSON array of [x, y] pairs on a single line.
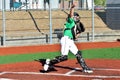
[[76, 14]]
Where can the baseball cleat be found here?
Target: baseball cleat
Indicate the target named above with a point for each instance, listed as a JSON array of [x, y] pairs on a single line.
[[88, 70], [46, 65]]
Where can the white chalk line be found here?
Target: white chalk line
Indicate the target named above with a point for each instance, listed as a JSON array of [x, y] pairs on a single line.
[[59, 74], [6, 79], [68, 73], [97, 76], [1, 73], [72, 71], [104, 69]]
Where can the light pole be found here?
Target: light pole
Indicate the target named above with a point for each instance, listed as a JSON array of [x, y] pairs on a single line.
[[50, 20], [93, 37], [3, 23]]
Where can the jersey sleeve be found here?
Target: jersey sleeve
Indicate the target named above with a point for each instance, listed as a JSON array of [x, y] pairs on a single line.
[[70, 20]]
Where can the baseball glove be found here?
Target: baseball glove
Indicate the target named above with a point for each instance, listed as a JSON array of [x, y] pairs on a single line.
[[79, 28]]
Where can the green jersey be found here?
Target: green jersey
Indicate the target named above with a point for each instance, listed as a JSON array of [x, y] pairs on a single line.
[[68, 26]]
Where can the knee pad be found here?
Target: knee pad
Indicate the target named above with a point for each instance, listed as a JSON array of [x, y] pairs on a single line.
[[79, 54], [59, 59], [79, 57], [81, 60]]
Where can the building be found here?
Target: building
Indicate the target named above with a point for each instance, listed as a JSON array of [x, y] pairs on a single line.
[[113, 14], [7, 4]]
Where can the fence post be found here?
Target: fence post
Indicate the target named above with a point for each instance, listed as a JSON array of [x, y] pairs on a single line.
[[88, 36], [1, 40], [46, 38]]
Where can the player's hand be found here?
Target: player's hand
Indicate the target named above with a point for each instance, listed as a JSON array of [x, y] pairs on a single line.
[[77, 35], [73, 5]]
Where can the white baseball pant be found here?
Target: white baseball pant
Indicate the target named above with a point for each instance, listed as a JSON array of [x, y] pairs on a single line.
[[67, 45]]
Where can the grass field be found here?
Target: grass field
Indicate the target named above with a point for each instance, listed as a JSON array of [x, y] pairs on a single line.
[[101, 53]]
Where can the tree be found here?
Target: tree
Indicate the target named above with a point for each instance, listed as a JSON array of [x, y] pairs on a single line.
[[100, 2]]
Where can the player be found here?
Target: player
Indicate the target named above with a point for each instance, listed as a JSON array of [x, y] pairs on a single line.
[[45, 1], [71, 32], [36, 3]]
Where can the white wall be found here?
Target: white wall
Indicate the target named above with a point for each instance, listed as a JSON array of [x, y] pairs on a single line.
[[54, 4], [7, 4], [89, 2], [0, 4]]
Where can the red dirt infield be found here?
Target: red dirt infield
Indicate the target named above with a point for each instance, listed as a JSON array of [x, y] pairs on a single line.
[[104, 69], [54, 47]]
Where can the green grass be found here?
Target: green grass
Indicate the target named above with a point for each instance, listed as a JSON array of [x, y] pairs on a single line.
[[25, 57], [104, 53]]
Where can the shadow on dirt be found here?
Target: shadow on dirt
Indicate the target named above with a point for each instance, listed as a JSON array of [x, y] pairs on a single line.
[[52, 67]]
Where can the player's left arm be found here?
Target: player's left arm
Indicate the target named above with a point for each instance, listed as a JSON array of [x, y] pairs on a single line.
[[72, 10], [80, 28], [76, 36]]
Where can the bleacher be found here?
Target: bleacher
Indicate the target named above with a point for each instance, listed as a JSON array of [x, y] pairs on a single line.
[[36, 23]]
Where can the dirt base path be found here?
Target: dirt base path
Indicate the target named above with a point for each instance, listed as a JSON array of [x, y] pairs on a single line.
[[54, 47]]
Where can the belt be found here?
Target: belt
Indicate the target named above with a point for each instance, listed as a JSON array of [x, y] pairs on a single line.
[[69, 37]]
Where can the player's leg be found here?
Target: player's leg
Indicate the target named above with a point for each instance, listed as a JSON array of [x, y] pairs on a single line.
[[33, 4], [59, 59], [64, 51], [81, 61], [63, 57], [49, 64], [44, 4], [79, 57], [36, 4]]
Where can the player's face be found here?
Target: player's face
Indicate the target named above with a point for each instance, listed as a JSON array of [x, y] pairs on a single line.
[[76, 18]]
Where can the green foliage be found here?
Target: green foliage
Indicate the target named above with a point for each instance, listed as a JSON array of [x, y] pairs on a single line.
[[100, 2]]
